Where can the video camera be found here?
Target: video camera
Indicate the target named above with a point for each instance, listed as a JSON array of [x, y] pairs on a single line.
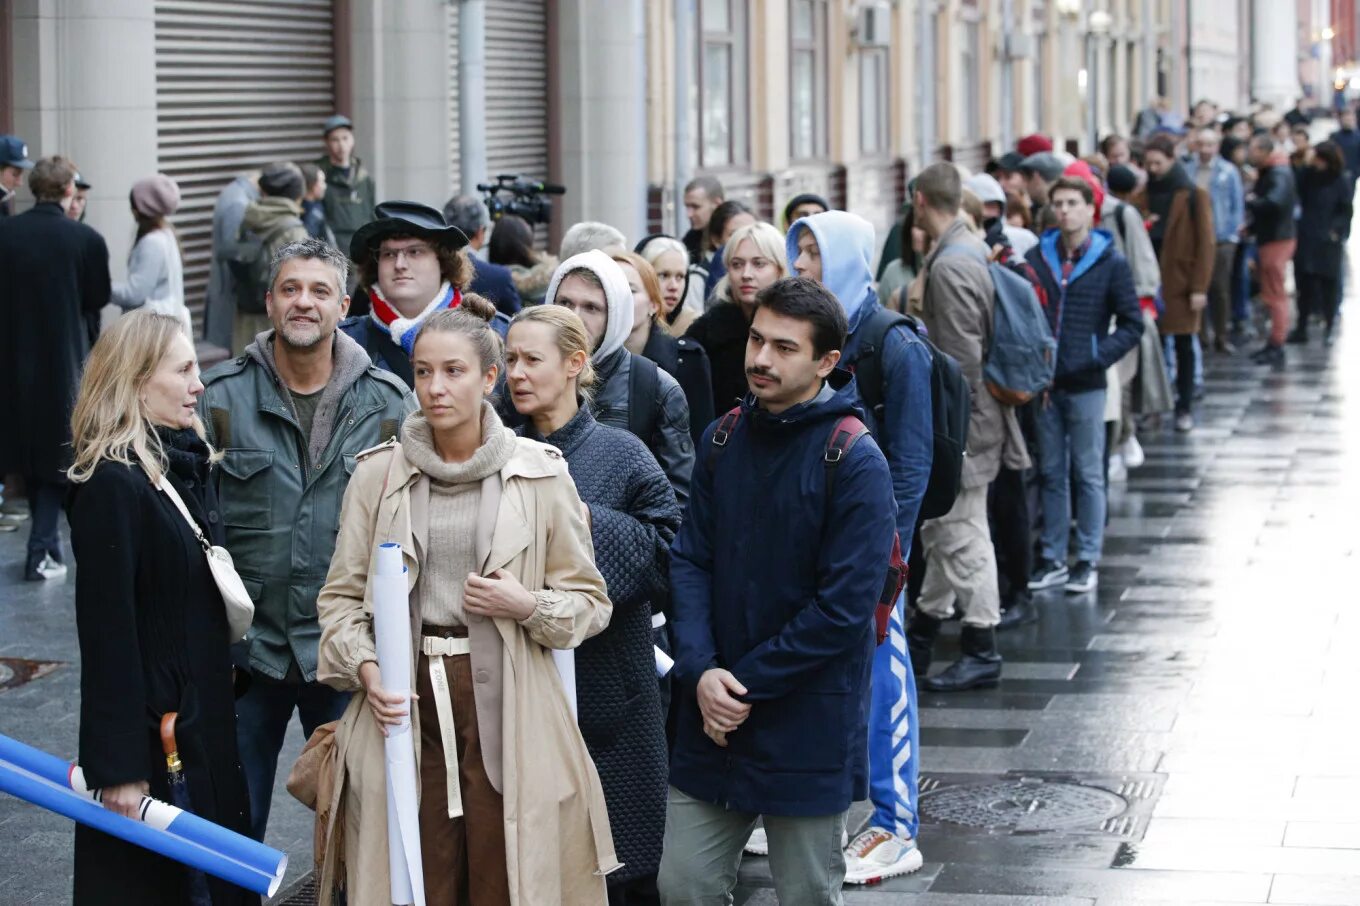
[[526, 198]]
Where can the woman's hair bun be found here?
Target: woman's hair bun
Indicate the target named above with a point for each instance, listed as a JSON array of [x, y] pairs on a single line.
[[480, 306]]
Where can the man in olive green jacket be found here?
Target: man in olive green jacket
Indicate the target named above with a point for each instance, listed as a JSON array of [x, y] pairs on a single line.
[[350, 194], [290, 417]]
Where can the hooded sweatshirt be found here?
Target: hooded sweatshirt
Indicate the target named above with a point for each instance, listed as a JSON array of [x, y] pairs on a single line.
[[613, 401], [903, 426], [618, 298], [846, 243]]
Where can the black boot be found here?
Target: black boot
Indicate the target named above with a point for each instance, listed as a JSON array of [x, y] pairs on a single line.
[[921, 632], [1299, 335], [1020, 612], [978, 667]]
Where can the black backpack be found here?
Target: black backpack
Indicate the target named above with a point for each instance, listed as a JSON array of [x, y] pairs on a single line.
[[250, 262], [951, 403], [643, 383]]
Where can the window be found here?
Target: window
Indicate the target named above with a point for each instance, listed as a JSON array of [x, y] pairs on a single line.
[[807, 79], [972, 84], [722, 83], [873, 101]]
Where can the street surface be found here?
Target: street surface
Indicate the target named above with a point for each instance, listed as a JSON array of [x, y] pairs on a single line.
[[1188, 735]]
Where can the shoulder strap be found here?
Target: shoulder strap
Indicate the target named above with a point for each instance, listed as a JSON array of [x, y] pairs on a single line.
[[643, 382], [721, 435], [1119, 224], [867, 366], [846, 432], [168, 490]]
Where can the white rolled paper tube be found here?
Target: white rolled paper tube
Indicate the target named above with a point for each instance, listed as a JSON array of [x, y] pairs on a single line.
[[392, 638], [565, 662], [392, 627], [664, 662]]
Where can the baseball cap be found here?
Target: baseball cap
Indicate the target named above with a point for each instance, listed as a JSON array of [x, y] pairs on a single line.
[[338, 121], [14, 153], [1045, 163], [986, 188]]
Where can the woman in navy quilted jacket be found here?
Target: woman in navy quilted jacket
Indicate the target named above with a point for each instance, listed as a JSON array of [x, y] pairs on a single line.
[[633, 518]]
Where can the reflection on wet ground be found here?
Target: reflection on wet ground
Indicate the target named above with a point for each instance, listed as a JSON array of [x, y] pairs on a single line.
[[1186, 735]]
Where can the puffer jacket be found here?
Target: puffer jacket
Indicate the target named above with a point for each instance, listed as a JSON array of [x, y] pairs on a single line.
[[1079, 310], [281, 501], [633, 519]]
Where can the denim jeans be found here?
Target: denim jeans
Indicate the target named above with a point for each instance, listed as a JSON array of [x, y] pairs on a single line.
[[262, 717], [702, 852], [44, 505], [1072, 440]]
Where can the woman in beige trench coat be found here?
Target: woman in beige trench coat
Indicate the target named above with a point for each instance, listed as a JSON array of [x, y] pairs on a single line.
[[534, 588]]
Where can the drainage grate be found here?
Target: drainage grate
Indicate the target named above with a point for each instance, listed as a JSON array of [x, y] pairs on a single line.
[[302, 893], [15, 671], [1023, 805]]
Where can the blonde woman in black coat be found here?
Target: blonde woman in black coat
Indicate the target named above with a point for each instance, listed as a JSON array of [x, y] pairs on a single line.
[[151, 623]]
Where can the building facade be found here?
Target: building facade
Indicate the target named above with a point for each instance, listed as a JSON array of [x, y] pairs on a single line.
[[621, 101]]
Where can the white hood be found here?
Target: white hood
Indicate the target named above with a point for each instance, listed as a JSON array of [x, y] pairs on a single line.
[[618, 298]]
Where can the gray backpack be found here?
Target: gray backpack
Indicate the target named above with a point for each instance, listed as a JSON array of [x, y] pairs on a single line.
[[1023, 354]]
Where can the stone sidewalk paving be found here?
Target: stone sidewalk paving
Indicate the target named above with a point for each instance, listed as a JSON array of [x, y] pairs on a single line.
[[1186, 735]]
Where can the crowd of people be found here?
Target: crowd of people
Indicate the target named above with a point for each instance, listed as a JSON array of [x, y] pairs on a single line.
[[706, 450]]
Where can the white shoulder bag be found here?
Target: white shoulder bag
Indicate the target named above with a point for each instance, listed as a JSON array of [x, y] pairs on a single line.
[[240, 608]]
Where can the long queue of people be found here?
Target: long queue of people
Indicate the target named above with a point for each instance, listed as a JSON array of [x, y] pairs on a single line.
[[705, 445]]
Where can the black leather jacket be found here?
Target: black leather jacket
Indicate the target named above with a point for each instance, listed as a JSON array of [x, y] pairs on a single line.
[[670, 443]]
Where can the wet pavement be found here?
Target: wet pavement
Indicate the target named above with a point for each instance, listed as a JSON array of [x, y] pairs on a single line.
[[1186, 735]]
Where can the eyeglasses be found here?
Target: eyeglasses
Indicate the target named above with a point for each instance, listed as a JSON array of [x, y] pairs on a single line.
[[413, 253]]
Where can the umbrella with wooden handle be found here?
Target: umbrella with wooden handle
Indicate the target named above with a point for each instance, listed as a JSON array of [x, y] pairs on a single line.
[[196, 882]]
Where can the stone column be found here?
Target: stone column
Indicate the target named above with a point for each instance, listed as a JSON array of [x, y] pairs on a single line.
[[85, 87], [600, 86], [401, 78], [1274, 73]]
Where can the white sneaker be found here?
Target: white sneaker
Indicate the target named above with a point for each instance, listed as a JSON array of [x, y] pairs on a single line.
[[1133, 453], [1118, 472], [51, 568], [877, 854]]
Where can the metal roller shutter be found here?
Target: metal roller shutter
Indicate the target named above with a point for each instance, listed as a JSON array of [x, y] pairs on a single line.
[[516, 127], [239, 83], [517, 87]]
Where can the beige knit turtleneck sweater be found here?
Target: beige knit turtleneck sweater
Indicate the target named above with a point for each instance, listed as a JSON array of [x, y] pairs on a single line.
[[455, 493]]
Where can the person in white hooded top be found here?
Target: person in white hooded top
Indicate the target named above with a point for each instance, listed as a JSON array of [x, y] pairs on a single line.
[[631, 391]]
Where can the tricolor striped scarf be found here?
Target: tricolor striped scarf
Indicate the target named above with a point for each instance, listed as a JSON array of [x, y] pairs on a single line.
[[403, 330]]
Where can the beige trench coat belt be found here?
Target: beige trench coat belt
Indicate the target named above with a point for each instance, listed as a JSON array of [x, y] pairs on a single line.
[[435, 649]]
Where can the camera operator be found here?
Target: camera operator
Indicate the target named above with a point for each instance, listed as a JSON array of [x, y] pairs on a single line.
[[494, 281]]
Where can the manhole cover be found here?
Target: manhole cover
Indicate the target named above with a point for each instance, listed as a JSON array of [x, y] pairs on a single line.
[[1022, 804]]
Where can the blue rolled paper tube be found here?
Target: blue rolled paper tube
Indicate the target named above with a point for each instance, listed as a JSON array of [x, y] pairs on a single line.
[[183, 824], [35, 761], [41, 792]]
